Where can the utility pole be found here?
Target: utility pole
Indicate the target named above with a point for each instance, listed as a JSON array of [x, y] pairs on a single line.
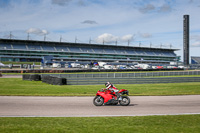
[[60, 39], [90, 40], [10, 36], [44, 37], [140, 44], [75, 39], [28, 36]]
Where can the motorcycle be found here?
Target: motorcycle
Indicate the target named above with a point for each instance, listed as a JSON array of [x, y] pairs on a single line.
[[108, 97]]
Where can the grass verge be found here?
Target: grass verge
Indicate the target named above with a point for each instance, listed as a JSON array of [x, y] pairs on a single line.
[[150, 124], [19, 87]]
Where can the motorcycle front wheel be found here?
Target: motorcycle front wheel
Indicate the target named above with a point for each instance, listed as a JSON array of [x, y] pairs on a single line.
[[125, 101], [98, 101]]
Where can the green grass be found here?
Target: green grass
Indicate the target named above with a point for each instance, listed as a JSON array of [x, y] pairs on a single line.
[[17, 86], [11, 62], [142, 124]]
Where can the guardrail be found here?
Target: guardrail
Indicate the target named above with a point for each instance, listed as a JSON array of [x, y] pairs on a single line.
[[96, 81], [128, 78], [126, 75]]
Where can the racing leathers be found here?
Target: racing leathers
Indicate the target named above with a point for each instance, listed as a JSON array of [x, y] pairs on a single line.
[[114, 89]]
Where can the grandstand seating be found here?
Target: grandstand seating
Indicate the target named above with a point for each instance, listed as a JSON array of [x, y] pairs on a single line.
[[5, 46], [168, 54], [19, 46], [87, 50], [111, 51], [48, 48], [98, 50], [120, 51], [78, 52], [34, 47], [150, 52], [74, 49], [62, 48], [140, 52], [130, 52]]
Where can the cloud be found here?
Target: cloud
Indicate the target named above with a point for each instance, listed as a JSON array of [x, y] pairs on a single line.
[[67, 2], [196, 44], [152, 8], [147, 8], [106, 37], [196, 39], [37, 31], [61, 2], [81, 3], [145, 35], [89, 22], [165, 8], [109, 38], [126, 38], [191, 1]]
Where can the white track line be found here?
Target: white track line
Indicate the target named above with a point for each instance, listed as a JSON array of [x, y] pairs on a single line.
[[110, 115]]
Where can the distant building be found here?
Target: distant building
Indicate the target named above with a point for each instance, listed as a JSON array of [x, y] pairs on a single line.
[[35, 51], [195, 60]]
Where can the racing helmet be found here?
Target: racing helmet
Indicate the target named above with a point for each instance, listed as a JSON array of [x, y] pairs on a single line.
[[107, 84]]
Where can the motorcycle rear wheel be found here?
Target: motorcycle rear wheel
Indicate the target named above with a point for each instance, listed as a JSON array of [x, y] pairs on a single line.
[[98, 101], [125, 101]]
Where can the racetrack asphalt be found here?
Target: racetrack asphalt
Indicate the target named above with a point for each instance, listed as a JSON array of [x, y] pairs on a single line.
[[29, 106]]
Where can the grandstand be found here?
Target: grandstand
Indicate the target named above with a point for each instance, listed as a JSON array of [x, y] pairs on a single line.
[[34, 51], [195, 60]]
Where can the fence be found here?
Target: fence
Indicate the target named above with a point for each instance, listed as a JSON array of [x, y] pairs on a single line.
[[129, 78], [126, 75], [96, 81]]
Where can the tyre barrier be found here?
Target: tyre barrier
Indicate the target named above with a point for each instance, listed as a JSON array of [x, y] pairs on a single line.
[[34, 77], [54, 80]]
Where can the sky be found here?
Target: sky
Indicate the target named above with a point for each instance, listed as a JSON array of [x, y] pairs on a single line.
[[145, 23]]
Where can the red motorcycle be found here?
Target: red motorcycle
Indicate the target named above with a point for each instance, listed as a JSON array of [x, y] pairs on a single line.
[[108, 97]]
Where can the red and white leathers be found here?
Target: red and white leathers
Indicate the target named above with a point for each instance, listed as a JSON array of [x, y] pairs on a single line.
[[112, 87]]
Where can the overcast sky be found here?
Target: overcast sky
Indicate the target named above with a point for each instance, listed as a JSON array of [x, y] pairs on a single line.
[[158, 23]]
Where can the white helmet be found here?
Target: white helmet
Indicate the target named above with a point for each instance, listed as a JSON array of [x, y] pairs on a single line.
[[107, 84]]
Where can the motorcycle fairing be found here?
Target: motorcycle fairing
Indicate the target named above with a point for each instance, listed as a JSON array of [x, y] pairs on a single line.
[[106, 95], [124, 91]]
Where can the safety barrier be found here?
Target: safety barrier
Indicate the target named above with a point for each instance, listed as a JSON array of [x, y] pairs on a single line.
[[127, 75], [45, 79], [116, 78], [96, 81], [54, 80], [34, 77]]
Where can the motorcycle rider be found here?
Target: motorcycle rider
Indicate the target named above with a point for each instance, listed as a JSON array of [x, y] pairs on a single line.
[[111, 87]]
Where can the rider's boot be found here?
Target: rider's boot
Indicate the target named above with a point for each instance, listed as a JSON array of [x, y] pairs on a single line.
[[118, 95]]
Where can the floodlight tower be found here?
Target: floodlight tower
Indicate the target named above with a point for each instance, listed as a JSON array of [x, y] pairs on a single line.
[[186, 40]]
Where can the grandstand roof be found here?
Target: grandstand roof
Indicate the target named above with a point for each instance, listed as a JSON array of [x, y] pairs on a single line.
[[81, 44]]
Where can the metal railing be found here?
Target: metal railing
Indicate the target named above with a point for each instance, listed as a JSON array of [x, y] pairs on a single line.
[[127, 75], [129, 78], [96, 81]]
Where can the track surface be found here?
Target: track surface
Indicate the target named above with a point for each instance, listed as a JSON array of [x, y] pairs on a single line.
[[22, 106]]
